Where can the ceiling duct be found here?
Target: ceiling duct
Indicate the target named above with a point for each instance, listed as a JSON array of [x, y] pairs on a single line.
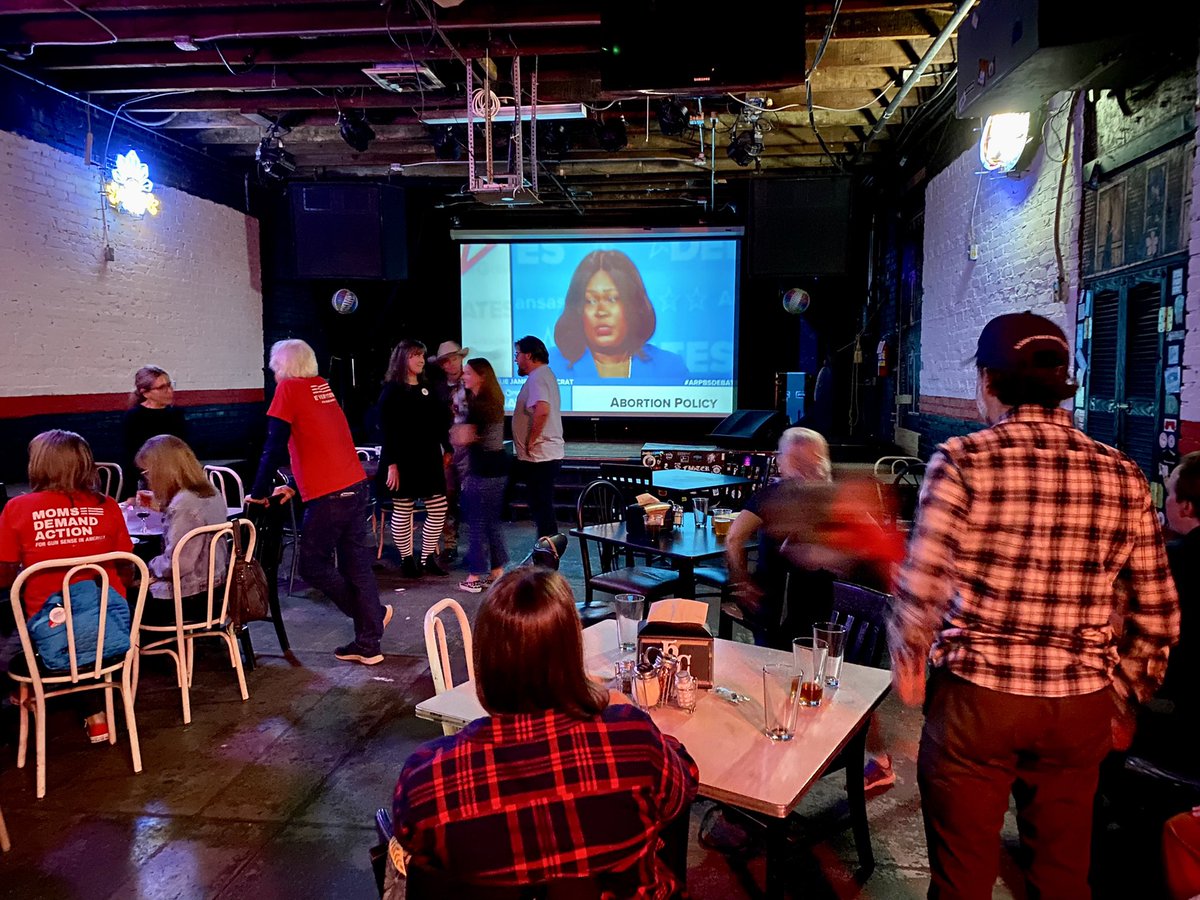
[[404, 78]]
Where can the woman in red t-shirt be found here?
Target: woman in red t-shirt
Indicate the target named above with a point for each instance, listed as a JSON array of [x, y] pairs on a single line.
[[63, 517]]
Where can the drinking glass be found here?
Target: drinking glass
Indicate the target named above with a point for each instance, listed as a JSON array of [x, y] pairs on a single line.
[[722, 518], [834, 636], [810, 655], [629, 609], [781, 700], [700, 511]]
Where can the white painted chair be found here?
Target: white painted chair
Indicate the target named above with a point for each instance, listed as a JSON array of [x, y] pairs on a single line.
[[439, 652], [367, 454], [178, 639], [229, 484], [37, 684], [5, 846], [111, 479]]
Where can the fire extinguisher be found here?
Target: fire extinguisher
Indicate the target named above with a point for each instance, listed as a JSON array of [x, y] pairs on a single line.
[[883, 357]]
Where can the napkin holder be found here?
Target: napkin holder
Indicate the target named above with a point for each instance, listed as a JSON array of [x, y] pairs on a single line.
[[635, 523], [677, 627]]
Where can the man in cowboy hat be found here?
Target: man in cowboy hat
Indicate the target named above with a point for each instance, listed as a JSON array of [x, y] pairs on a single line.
[[449, 385]]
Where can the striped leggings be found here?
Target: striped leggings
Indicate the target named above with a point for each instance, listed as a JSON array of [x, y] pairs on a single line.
[[402, 524]]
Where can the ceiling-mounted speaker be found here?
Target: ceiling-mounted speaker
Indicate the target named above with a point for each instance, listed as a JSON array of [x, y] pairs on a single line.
[[345, 230]]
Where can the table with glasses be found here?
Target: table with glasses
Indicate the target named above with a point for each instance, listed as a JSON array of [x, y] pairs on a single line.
[[681, 485], [685, 545], [739, 765]]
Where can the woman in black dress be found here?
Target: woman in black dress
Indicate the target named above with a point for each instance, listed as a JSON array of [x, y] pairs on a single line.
[[415, 427], [150, 414]]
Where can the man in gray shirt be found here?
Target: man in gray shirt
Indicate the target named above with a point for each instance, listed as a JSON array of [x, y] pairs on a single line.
[[537, 431]]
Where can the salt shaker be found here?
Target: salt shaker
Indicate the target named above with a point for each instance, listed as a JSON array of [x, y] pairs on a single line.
[[647, 691], [685, 690]]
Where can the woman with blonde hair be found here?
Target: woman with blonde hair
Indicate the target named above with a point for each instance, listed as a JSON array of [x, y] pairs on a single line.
[[63, 516], [187, 501], [151, 412], [555, 747]]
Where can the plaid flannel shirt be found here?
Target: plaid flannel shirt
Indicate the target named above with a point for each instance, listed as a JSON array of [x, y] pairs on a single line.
[[520, 799], [1037, 566]]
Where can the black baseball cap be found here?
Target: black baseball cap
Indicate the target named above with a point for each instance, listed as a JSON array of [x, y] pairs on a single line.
[[1022, 341]]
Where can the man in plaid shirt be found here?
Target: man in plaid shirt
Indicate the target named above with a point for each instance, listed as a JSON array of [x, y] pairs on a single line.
[[564, 780], [1036, 586]]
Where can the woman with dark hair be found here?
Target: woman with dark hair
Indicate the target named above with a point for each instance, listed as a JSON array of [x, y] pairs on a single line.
[[63, 516], [415, 426], [606, 325], [483, 489], [480, 806], [151, 412]]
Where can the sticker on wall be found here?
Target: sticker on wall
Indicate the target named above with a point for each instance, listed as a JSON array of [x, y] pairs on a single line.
[[1156, 494], [1171, 441], [1166, 318], [1080, 395], [1177, 281], [1162, 439], [1171, 405], [1080, 416], [1088, 323], [1175, 335], [1170, 424], [1173, 355], [1085, 306], [1164, 471], [1180, 303], [1171, 379]]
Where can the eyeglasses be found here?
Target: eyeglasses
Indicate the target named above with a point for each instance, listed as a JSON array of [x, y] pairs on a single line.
[[593, 299], [517, 356], [163, 386]]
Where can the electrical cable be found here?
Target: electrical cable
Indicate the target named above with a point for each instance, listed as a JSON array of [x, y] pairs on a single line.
[[817, 57], [1061, 285], [83, 12], [249, 68]]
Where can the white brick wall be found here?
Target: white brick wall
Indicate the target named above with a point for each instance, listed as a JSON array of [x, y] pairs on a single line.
[[1016, 270], [184, 291], [1190, 396]]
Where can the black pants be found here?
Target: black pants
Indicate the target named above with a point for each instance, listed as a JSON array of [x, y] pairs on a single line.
[[539, 485], [977, 747]]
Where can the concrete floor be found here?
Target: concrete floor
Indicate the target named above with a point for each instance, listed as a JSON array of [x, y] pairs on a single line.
[[275, 797]]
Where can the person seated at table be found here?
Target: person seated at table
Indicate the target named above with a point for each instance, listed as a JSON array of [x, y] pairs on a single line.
[[151, 412], [62, 476], [564, 780], [187, 501], [803, 456]]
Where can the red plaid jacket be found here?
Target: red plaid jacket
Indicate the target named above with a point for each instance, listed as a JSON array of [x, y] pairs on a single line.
[[520, 799]]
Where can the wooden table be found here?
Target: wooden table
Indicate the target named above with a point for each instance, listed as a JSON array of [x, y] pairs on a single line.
[[681, 485], [685, 544], [739, 765]]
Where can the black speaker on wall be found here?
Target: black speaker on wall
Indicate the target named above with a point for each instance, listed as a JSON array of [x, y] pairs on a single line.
[[349, 231], [756, 428], [799, 226]]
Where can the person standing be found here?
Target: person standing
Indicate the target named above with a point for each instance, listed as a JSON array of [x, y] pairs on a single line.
[[151, 412], [481, 437], [337, 548], [1036, 586], [415, 425], [537, 431], [452, 391]]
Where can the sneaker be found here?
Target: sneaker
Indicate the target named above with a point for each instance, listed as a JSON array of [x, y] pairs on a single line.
[[473, 585], [97, 730], [352, 652], [433, 567], [387, 614], [878, 773]]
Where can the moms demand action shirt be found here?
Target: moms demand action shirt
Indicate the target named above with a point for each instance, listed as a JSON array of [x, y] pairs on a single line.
[[53, 525], [321, 448]]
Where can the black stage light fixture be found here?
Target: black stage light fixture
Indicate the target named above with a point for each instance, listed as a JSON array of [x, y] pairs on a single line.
[[274, 163], [355, 131], [672, 116], [746, 146], [555, 140], [612, 135], [446, 145]]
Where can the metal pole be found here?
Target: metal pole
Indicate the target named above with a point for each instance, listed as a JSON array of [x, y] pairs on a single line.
[[909, 83]]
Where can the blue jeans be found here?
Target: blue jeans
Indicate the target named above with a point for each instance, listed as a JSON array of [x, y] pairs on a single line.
[[483, 498], [340, 522]]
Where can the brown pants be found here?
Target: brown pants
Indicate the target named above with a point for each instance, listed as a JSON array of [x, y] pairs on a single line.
[[977, 747]]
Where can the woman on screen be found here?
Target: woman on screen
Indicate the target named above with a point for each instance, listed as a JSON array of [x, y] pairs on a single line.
[[605, 328]]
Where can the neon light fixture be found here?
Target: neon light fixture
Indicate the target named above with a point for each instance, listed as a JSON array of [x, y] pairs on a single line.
[[1003, 141], [131, 189]]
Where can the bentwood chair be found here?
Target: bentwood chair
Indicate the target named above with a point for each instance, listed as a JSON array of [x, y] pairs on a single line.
[[111, 478], [229, 485], [89, 669], [5, 844], [177, 639], [601, 503], [439, 652]]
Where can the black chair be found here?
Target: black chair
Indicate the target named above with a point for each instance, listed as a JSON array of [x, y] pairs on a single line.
[[601, 503], [632, 479]]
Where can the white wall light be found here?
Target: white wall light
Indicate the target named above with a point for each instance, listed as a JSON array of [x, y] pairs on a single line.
[[131, 189], [1003, 141]]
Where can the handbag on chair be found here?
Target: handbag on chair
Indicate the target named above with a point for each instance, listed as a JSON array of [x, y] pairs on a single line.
[[248, 591]]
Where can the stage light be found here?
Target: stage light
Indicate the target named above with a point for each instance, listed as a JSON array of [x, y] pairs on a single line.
[[355, 131], [274, 163], [612, 134], [446, 144], [746, 146], [672, 116], [1003, 141], [554, 139]]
